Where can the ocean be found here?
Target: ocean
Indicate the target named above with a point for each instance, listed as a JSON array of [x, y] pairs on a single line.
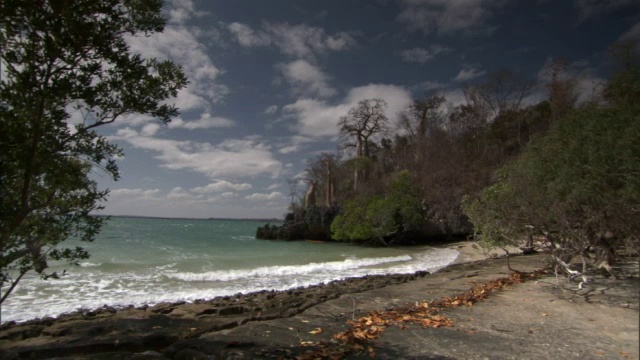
[[137, 261]]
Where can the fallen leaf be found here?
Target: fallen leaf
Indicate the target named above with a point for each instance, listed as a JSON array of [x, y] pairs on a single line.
[[316, 331]]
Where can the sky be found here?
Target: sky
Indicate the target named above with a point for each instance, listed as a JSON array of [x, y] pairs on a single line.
[[269, 81]]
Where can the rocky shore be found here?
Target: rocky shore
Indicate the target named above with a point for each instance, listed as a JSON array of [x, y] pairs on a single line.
[[510, 324]]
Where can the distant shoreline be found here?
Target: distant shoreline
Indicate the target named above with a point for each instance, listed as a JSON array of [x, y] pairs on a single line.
[[186, 218]]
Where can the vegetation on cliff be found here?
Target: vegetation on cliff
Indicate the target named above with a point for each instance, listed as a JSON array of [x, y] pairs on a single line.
[[562, 171]]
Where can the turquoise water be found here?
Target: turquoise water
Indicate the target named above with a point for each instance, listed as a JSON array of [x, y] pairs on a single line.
[[145, 261]]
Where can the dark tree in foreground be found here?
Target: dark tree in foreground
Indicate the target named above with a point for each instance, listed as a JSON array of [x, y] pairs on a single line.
[[58, 57]]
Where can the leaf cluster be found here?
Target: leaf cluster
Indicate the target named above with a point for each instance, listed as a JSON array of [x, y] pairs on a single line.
[[66, 70], [573, 186]]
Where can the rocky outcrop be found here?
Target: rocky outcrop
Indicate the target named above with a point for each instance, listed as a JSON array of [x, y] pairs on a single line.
[[312, 223]]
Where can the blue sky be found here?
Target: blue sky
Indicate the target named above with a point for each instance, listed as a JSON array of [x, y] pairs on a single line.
[[269, 81]]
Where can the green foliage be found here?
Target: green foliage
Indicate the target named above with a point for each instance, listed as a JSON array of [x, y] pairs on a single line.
[[376, 218], [60, 57], [579, 182]]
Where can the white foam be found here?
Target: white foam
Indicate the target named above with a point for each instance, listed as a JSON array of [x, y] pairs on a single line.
[[89, 264], [268, 271], [90, 288]]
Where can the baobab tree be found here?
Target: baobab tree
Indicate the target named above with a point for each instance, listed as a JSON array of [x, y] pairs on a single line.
[[364, 120], [322, 169]]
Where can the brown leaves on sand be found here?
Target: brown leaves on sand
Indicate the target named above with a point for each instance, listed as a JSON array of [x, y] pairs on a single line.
[[482, 291], [373, 325], [428, 314]]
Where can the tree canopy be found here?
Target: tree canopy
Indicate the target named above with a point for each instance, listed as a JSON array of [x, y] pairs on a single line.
[[578, 187], [66, 69]]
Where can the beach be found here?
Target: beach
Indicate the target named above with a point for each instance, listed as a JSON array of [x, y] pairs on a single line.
[[539, 318]]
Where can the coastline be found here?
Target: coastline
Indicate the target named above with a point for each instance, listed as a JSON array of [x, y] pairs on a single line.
[[165, 328]]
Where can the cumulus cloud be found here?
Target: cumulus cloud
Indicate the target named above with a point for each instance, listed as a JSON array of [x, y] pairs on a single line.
[[468, 74], [306, 79], [247, 37], [319, 118], [276, 195], [206, 121], [302, 41], [232, 157], [221, 186], [134, 194], [182, 44], [179, 193], [180, 11], [422, 55], [150, 129], [449, 16]]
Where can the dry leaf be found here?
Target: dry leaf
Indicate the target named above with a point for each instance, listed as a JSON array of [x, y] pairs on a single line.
[[316, 331]]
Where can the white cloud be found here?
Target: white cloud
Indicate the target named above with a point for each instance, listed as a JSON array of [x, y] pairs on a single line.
[[318, 118], [150, 129], [449, 16], [206, 121], [179, 193], [306, 79], [135, 195], [273, 186], [181, 44], [270, 110], [289, 149], [232, 157], [247, 37], [468, 74], [301, 41], [276, 195], [422, 55], [221, 186], [180, 11]]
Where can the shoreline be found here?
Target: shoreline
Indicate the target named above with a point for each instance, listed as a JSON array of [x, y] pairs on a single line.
[[250, 294], [468, 252], [245, 325]]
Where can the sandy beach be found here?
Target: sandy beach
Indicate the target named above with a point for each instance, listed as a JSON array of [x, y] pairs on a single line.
[[540, 318]]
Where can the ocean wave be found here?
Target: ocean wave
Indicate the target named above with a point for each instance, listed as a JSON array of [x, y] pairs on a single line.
[[89, 264], [95, 287], [288, 270]]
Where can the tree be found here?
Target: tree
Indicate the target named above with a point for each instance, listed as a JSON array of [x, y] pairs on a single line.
[[562, 89], [382, 220], [578, 187], [422, 117], [60, 57], [364, 120], [322, 170]]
